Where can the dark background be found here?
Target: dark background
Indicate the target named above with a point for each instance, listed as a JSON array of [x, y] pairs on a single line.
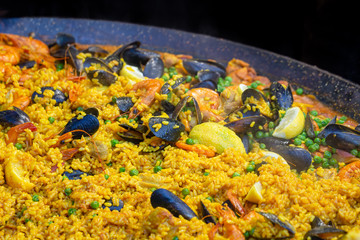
[[319, 32]]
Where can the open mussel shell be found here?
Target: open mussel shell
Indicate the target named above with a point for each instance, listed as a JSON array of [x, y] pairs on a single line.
[[154, 68], [64, 39], [246, 124], [247, 110], [75, 174], [112, 207], [92, 61], [137, 57], [87, 125], [205, 75], [124, 104], [13, 117], [246, 142], [58, 96], [167, 129], [272, 142], [250, 92], [298, 158], [103, 77], [205, 214], [77, 63], [341, 137], [167, 107], [92, 111], [324, 232], [132, 136], [193, 66], [166, 199], [210, 84], [96, 51], [275, 219], [118, 54], [167, 88], [309, 127], [281, 97], [180, 106]]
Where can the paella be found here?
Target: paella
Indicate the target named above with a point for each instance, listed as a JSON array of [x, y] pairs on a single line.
[[121, 142]]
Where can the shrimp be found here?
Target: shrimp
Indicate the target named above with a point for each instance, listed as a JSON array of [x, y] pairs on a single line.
[[29, 49], [21, 102], [201, 150], [208, 101], [351, 170], [231, 230], [14, 132], [9, 54], [235, 202], [148, 89]]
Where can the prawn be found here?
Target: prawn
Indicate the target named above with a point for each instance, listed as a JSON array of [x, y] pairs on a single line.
[[148, 90], [209, 102], [14, 132], [203, 150], [350, 171], [231, 230], [21, 102], [9, 54]]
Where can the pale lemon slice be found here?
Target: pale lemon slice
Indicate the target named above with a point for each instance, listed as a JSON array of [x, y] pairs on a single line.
[[15, 176], [216, 135], [291, 125], [254, 195], [132, 73]]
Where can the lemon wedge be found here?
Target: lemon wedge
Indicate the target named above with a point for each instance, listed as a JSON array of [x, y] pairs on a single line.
[[242, 88], [216, 135], [15, 176], [291, 125], [132, 73], [254, 195]]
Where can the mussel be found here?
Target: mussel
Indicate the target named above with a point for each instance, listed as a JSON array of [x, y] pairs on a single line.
[[112, 207], [281, 97], [58, 95], [13, 117], [341, 137], [82, 126], [205, 214], [167, 129], [275, 219], [246, 124], [75, 174], [320, 230], [166, 199], [193, 66]]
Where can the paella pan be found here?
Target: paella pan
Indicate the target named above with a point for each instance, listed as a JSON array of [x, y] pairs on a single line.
[[122, 141]]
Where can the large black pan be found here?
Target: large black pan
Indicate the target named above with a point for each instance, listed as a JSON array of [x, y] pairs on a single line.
[[341, 94]]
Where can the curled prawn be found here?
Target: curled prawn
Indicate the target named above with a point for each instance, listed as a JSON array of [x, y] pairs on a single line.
[[209, 102], [231, 230], [147, 90], [351, 170], [9, 54]]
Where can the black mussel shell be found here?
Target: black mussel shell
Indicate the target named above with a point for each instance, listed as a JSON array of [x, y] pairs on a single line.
[[59, 96], [281, 97], [140, 127], [309, 126], [166, 199], [274, 219], [193, 66], [112, 207], [210, 84], [273, 142], [205, 214], [357, 128], [137, 57], [92, 111], [95, 50], [232, 207], [167, 88], [258, 165], [118, 54], [183, 102], [154, 68], [167, 107], [132, 136], [74, 175], [90, 61], [27, 64], [75, 62], [246, 142], [89, 124], [323, 232], [250, 92], [341, 137], [64, 39], [298, 158], [249, 110], [170, 129], [205, 75], [13, 117], [246, 124], [103, 77], [124, 104], [317, 222]]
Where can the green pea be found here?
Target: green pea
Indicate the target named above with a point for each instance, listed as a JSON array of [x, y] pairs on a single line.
[[250, 168], [317, 159], [80, 109], [262, 146], [325, 163], [308, 142], [332, 161], [206, 173], [299, 91], [314, 113], [18, 146], [254, 85], [317, 140], [247, 234], [314, 147], [340, 121], [297, 142], [72, 211], [152, 189], [266, 134], [175, 238], [157, 169], [94, 204], [35, 198], [106, 176], [67, 191], [259, 134], [354, 152], [271, 124], [188, 78], [343, 118], [190, 141], [235, 174], [114, 142], [107, 121], [51, 120], [301, 137], [122, 169], [185, 192], [327, 154], [134, 172], [59, 66], [109, 164], [113, 99]]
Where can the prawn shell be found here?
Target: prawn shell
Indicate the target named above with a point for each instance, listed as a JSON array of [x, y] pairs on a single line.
[[170, 132], [89, 123], [166, 199], [13, 117]]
